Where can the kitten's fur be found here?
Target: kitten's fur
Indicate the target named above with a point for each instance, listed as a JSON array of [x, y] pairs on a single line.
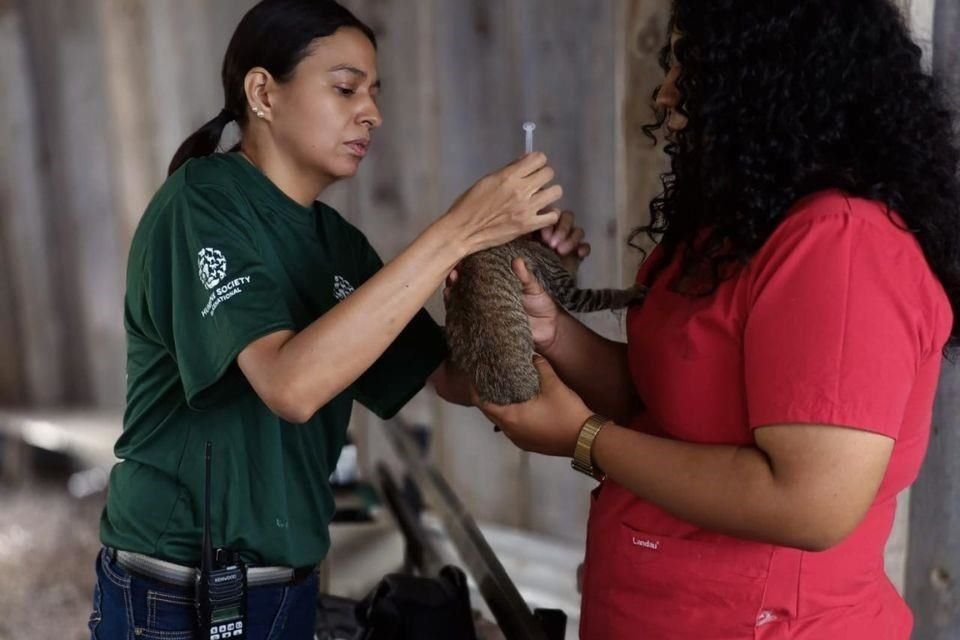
[[487, 329]]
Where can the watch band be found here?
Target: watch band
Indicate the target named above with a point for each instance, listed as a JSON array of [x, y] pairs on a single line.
[[583, 452]]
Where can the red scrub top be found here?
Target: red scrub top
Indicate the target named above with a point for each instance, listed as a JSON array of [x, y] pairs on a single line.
[[837, 320]]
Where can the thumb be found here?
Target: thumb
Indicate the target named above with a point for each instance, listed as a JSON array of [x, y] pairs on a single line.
[[531, 286], [544, 369]]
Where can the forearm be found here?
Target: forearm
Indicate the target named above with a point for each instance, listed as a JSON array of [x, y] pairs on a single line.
[[320, 361], [728, 489], [595, 368]]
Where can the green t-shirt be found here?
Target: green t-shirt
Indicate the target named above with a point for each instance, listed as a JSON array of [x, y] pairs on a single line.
[[223, 257]]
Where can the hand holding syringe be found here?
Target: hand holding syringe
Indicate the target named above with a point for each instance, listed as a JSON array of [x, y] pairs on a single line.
[[566, 238]]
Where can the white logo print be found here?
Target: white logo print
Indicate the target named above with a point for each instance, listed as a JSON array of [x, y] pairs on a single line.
[[341, 288], [212, 266], [643, 542], [766, 617]]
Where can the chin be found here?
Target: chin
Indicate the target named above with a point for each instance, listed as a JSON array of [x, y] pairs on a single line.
[[346, 170]]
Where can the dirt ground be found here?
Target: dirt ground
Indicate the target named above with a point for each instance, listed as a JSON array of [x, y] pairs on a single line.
[[48, 546]]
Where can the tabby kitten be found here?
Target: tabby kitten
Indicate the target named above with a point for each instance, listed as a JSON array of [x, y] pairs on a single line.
[[487, 329]]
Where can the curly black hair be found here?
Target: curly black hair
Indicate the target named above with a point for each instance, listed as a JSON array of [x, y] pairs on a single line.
[[788, 97]]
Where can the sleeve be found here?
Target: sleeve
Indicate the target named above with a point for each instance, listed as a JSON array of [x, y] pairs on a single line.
[[402, 371], [833, 332], [211, 293]]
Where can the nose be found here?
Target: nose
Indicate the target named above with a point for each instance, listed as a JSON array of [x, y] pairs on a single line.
[[369, 115], [669, 96]]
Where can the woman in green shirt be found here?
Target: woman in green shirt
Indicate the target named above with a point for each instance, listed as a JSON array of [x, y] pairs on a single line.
[[255, 316]]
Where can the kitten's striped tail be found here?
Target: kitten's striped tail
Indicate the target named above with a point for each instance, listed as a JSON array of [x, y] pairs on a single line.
[[563, 288], [587, 300]]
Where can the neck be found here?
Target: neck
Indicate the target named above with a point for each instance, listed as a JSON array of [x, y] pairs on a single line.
[[300, 185]]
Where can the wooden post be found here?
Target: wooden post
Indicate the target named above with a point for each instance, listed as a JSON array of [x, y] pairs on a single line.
[[933, 567]]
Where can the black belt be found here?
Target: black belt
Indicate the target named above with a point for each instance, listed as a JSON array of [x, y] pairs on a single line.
[[184, 576]]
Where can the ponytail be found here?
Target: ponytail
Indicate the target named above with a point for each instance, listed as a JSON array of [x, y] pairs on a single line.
[[203, 142]]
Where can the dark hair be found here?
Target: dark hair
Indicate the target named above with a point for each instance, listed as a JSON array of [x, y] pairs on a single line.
[[786, 98], [275, 35]]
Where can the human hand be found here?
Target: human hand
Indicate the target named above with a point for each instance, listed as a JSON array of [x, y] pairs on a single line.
[[541, 309], [542, 312], [567, 240], [505, 205], [549, 423]]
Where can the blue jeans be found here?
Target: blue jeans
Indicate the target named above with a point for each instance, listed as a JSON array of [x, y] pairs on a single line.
[[128, 606]]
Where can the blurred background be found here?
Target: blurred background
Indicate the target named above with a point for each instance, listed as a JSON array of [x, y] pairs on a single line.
[[96, 95]]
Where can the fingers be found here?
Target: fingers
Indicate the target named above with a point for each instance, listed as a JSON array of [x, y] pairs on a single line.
[[562, 230], [570, 242], [526, 165], [541, 220], [543, 199], [540, 178], [544, 370], [531, 286], [451, 281], [584, 250]]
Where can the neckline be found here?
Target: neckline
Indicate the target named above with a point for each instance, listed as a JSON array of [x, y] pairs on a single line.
[[269, 190]]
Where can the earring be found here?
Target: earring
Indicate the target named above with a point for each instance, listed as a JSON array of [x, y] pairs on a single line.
[[257, 111]]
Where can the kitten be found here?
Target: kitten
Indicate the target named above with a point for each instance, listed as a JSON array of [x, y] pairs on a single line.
[[487, 329]]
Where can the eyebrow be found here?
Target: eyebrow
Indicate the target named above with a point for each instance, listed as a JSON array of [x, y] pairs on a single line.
[[354, 71]]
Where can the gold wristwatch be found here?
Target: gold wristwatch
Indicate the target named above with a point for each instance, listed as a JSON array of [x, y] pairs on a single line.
[[582, 453]]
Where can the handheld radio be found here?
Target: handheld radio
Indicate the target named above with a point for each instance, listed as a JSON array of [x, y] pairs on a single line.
[[221, 582]]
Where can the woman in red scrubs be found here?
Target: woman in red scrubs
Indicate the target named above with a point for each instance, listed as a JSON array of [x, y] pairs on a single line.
[[775, 392]]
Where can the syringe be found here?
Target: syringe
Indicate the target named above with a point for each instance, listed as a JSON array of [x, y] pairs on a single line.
[[528, 128]]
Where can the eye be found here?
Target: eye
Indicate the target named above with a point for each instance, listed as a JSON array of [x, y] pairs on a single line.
[[345, 91]]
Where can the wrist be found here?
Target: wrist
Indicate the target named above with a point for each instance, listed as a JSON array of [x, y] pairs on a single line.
[[443, 238], [582, 458]]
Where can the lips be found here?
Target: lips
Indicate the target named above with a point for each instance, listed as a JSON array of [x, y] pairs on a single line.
[[358, 147]]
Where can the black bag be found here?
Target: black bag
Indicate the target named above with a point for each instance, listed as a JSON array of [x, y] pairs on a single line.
[[404, 607]]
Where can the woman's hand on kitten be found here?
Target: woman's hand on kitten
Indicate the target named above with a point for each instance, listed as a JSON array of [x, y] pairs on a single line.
[[542, 312], [567, 240], [549, 423]]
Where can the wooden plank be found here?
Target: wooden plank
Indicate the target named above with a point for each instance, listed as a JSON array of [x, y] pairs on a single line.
[[646, 26], [946, 55], [391, 199], [933, 567], [475, 128], [11, 380], [12, 390], [32, 354], [137, 168], [569, 67], [76, 174]]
